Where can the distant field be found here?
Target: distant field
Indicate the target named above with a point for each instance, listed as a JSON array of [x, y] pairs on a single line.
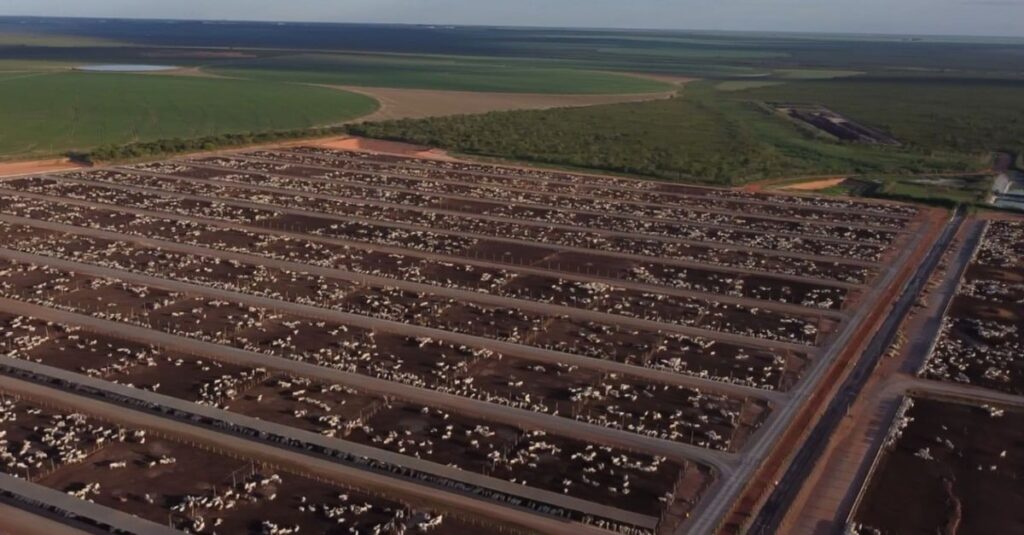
[[741, 85], [950, 100], [674, 52], [435, 73], [14, 66], [54, 113], [33, 39]]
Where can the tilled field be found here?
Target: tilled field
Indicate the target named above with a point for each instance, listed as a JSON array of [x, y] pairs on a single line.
[[982, 340], [594, 349], [948, 468]]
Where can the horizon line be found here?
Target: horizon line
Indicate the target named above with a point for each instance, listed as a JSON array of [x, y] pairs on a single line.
[[518, 27]]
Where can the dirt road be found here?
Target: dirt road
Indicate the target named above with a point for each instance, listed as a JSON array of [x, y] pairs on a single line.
[[773, 513], [34, 167], [764, 455], [828, 496], [423, 103]]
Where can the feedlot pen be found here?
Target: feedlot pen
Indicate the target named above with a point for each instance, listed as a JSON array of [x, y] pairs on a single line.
[[444, 344]]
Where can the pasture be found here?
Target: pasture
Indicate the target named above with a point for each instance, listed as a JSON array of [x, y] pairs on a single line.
[[442, 73], [49, 114]]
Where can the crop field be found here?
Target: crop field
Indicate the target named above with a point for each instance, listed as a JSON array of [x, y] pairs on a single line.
[[453, 74], [459, 328], [60, 112], [947, 465], [981, 341]]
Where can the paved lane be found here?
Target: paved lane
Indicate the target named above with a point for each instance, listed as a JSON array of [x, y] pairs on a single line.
[[712, 510], [777, 505]]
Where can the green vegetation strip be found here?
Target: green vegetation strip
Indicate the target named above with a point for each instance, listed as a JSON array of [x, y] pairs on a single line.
[[170, 147]]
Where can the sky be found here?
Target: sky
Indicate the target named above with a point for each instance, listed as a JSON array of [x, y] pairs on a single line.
[[945, 17]]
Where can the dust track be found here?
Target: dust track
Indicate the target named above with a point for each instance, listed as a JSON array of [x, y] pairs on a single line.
[[422, 103], [31, 167]]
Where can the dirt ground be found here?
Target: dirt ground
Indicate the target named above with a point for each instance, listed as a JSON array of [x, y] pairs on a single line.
[[419, 103], [667, 78], [36, 166], [195, 72], [957, 464], [816, 185], [377, 145]]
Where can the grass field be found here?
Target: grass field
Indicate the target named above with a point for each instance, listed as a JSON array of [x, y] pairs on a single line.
[[459, 74], [742, 85], [48, 114], [966, 190]]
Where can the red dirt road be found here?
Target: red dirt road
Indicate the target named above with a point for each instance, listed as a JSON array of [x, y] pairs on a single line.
[[37, 166], [377, 145], [760, 486]]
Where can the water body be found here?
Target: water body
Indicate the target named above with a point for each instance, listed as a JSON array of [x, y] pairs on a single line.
[[125, 68]]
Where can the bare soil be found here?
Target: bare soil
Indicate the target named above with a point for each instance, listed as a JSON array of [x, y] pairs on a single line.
[[36, 166], [816, 185], [420, 103], [970, 483], [377, 145]]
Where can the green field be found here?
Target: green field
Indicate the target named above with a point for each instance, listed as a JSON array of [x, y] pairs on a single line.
[[48, 114], [965, 190], [460, 74]]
